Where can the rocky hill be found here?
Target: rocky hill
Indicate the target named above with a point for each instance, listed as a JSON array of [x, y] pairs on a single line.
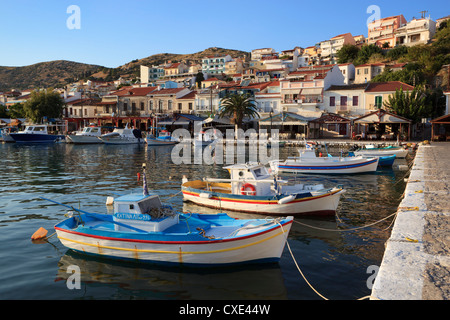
[[44, 74], [60, 72]]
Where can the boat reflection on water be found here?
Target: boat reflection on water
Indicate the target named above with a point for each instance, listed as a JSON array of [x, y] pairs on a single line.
[[260, 282]]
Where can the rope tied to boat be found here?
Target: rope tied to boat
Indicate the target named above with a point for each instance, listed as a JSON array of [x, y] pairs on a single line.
[[161, 212], [203, 234]]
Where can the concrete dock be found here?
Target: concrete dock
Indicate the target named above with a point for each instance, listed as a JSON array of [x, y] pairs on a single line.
[[416, 263]]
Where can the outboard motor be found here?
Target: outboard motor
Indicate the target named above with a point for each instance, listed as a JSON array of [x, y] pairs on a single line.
[[137, 133]]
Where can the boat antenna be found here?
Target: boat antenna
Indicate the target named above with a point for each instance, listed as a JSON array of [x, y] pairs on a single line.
[[144, 180]]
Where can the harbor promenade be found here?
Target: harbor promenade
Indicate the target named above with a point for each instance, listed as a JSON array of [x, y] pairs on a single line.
[[416, 263]]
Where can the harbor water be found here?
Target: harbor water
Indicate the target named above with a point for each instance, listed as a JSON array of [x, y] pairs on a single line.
[[338, 255]]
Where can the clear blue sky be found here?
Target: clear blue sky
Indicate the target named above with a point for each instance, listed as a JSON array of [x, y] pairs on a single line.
[[113, 32]]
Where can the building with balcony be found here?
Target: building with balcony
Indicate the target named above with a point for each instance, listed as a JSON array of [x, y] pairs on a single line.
[[151, 74], [215, 65], [416, 31], [383, 31], [345, 100], [234, 66], [303, 90], [165, 101], [330, 47], [258, 54]]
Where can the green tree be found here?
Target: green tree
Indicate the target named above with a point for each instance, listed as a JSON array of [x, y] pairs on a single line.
[[397, 53], [43, 103], [365, 52], [412, 74], [347, 53], [237, 106], [411, 105], [17, 111], [199, 78], [3, 112]]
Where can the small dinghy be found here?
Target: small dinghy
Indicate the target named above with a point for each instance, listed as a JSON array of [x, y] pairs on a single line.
[[142, 229]]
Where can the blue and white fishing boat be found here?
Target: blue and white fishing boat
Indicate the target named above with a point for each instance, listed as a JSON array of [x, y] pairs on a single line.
[[36, 133], [142, 229], [383, 160], [162, 139], [371, 151], [308, 162]]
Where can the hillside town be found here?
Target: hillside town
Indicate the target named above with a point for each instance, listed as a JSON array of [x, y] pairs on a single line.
[[303, 92]]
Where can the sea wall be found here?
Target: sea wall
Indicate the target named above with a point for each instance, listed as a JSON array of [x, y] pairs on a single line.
[[416, 263]]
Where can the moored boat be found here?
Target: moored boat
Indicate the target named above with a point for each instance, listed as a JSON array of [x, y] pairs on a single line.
[[123, 136], [399, 152], [308, 162], [162, 139], [252, 189], [385, 160], [36, 133], [142, 229], [88, 135]]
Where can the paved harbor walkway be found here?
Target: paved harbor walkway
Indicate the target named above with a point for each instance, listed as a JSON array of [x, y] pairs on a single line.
[[416, 263]]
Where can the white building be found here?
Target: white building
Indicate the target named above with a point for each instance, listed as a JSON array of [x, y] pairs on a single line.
[[269, 99], [331, 47], [348, 71], [215, 65], [303, 90], [416, 31], [258, 54], [345, 99]]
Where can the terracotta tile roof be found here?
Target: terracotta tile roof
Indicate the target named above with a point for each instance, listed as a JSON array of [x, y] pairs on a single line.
[[134, 91], [166, 91], [370, 64], [173, 65], [190, 95], [388, 86]]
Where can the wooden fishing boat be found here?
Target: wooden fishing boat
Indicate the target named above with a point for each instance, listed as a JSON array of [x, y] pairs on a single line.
[[252, 189], [142, 229], [308, 162]]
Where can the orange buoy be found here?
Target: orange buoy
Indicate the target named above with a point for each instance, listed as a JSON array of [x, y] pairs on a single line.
[[246, 186], [39, 234]]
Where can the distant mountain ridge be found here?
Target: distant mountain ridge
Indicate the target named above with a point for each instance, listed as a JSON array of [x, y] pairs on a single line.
[[61, 72]]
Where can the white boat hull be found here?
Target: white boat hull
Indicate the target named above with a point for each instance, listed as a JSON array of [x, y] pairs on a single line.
[[82, 139], [265, 246], [156, 142], [318, 204], [123, 140], [399, 153], [348, 165]]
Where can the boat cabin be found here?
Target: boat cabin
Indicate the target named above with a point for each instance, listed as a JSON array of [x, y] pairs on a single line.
[[36, 129], [255, 176], [91, 131], [143, 212]]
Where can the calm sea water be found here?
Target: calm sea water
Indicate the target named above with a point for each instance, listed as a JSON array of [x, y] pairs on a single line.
[[334, 262]]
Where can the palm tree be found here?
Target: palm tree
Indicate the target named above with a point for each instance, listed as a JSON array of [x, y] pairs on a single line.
[[237, 106]]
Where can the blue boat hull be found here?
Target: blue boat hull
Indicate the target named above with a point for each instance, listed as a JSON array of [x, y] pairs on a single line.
[[35, 138], [386, 161], [195, 240]]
